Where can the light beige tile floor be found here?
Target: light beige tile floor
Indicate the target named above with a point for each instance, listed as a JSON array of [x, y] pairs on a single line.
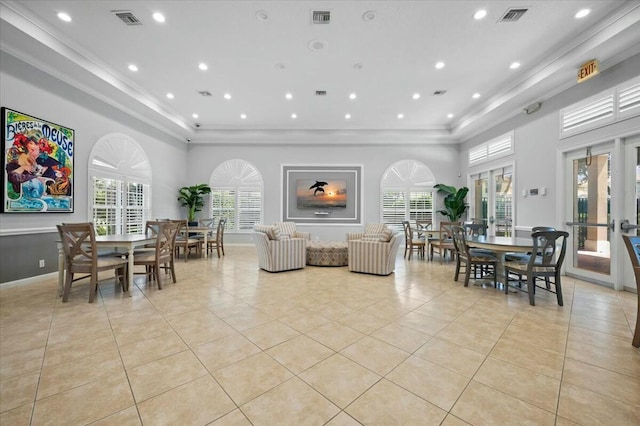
[[229, 344]]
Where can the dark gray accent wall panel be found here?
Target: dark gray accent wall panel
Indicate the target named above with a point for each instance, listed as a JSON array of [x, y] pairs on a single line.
[[20, 255]]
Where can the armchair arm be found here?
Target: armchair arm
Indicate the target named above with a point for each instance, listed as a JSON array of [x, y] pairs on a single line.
[[354, 235], [303, 235]]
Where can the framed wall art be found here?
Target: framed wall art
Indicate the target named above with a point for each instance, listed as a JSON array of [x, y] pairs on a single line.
[[37, 164], [314, 194]]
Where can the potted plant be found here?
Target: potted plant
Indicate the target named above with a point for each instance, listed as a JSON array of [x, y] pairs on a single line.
[[454, 201], [192, 197]]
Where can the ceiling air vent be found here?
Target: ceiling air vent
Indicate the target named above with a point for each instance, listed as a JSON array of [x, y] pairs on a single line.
[[513, 14], [127, 17], [204, 92], [439, 92], [320, 16], [321, 93]]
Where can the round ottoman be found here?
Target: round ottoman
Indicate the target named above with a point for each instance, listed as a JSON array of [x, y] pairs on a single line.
[[327, 253]]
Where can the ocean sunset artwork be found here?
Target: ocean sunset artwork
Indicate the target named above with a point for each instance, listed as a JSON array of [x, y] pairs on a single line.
[[321, 193]]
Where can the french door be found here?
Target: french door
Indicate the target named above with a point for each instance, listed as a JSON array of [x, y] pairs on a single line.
[[602, 203], [492, 200]]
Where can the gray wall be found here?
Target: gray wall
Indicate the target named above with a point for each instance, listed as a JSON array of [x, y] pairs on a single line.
[[29, 90]]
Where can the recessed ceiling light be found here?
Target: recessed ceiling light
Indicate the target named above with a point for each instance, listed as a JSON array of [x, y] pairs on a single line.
[[480, 14], [514, 65], [476, 95], [449, 115], [170, 95], [194, 115], [352, 96], [369, 16], [64, 17], [133, 67], [243, 116], [358, 66], [439, 65], [347, 116], [288, 96], [400, 116], [294, 115], [262, 15], [416, 96], [582, 13], [279, 66], [159, 17], [227, 96], [203, 66]]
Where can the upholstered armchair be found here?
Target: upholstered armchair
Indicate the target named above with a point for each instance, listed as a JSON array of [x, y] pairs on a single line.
[[289, 228], [373, 252], [278, 252]]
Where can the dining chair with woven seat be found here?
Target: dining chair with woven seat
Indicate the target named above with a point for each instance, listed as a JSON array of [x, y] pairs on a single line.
[[162, 255], [412, 241], [81, 256], [478, 262], [550, 248], [444, 243], [633, 248], [217, 242], [186, 242]]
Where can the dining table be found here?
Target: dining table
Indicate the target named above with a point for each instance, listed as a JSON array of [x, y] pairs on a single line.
[[501, 246], [125, 243]]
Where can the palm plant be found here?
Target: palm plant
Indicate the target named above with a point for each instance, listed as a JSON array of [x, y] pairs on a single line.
[[192, 197], [454, 203]]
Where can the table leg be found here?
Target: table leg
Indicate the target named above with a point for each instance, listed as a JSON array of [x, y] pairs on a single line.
[[129, 270], [60, 270], [206, 247]]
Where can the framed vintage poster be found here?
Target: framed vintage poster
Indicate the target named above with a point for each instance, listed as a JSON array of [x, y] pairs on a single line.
[[37, 165], [322, 194]]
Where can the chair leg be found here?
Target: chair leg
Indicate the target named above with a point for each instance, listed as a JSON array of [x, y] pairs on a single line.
[[558, 289], [67, 286], [467, 273], [92, 287], [218, 248], [531, 289], [455, 278], [157, 274]]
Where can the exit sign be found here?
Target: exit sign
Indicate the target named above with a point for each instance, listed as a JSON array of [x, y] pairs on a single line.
[[588, 70]]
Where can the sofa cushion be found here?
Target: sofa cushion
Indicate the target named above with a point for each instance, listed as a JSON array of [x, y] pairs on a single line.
[[267, 229], [387, 234], [373, 237], [374, 228]]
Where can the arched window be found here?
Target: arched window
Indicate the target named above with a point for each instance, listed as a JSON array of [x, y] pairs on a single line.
[[407, 193], [120, 186], [236, 194]]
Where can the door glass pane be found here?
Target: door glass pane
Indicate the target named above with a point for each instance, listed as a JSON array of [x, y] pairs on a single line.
[[638, 190], [481, 200], [504, 207], [591, 204]]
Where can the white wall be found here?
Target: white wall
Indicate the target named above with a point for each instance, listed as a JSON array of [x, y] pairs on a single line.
[[443, 160], [537, 142], [33, 92]]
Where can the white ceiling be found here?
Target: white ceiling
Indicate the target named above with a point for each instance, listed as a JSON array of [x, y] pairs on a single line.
[[384, 61]]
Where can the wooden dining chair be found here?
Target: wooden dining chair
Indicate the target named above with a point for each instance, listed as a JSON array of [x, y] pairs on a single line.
[[550, 247], [633, 247], [185, 242], [472, 260], [412, 241], [81, 256], [162, 255], [444, 243], [217, 241]]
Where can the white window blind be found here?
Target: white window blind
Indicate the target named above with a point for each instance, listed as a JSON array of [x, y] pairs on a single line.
[[236, 194], [495, 148], [600, 110], [399, 205], [629, 101], [121, 186]]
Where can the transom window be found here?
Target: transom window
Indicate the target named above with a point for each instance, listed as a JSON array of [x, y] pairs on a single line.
[[407, 193], [120, 186], [236, 194]]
